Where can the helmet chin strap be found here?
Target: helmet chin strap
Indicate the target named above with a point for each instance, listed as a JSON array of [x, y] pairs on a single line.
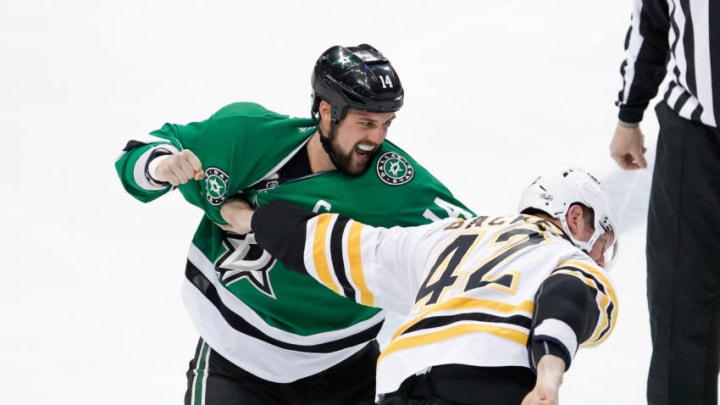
[[584, 246]]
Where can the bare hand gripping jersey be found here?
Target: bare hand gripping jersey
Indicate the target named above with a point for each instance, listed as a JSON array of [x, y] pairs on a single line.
[[277, 324], [478, 292]]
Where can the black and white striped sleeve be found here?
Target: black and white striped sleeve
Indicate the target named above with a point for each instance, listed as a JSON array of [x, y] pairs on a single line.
[[646, 55], [678, 39]]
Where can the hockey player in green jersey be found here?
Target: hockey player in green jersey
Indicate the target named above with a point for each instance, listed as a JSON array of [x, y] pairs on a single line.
[[268, 335]]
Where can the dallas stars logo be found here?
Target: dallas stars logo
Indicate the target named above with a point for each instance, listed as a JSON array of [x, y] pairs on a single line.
[[215, 185], [245, 259], [344, 60], [394, 169]]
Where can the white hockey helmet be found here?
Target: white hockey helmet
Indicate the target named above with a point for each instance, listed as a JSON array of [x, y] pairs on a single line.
[[554, 192]]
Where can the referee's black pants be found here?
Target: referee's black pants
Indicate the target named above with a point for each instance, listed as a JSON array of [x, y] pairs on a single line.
[[683, 263]]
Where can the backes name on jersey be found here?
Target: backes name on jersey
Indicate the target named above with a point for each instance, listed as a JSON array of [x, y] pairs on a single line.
[[481, 221]]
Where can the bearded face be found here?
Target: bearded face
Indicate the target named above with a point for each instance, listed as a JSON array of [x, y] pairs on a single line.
[[357, 139]]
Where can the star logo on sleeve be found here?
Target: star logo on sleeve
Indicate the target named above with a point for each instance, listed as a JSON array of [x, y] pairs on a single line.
[[245, 259], [215, 185]]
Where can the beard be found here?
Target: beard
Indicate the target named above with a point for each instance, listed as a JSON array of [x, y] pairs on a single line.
[[344, 162]]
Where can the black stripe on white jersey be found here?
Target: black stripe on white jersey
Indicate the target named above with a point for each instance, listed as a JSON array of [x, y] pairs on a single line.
[[701, 61], [197, 279], [446, 320], [694, 77], [687, 35], [336, 254], [714, 45]]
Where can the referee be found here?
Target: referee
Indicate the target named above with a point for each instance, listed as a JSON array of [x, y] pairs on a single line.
[[679, 39]]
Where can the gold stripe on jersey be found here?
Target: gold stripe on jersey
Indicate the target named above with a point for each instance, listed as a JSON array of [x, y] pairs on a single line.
[[355, 264], [408, 342], [320, 255], [598, 281], [469, 304]]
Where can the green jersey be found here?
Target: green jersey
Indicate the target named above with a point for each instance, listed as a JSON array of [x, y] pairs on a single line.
[[277, 324]]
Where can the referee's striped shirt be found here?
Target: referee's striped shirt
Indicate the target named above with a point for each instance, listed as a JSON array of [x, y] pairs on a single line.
[[680, 38]]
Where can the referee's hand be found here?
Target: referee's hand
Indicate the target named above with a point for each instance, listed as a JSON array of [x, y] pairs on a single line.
[[627, 148]]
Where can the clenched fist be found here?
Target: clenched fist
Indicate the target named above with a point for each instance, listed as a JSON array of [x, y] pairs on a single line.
[[176, 169], [238, 214]]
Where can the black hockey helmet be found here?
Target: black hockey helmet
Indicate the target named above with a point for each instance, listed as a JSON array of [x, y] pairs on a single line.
[[358, 77]]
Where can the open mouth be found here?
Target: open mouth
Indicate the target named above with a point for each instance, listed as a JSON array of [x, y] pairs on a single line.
[[364, 149]]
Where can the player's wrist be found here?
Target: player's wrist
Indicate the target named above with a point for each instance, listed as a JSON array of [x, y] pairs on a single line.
[[156, 157], [543, 347], [626, 124]]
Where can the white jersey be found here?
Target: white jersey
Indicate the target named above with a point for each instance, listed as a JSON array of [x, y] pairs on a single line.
[[472, 290]]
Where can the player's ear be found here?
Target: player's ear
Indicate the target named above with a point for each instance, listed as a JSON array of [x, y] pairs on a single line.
[[325, 111], [575, 219]]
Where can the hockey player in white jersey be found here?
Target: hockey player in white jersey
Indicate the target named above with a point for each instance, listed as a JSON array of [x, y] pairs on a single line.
[[497, 306]]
